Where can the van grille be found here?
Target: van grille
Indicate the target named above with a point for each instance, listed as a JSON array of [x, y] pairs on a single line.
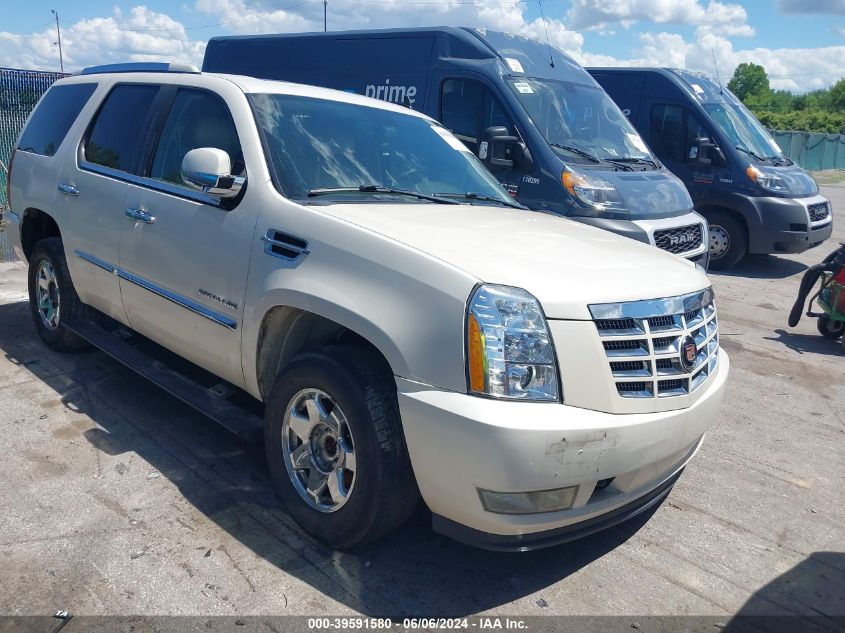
[[818, 211], [643, 342], [679, 240]]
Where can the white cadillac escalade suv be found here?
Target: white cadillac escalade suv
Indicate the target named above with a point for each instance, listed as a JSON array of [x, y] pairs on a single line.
[[350, 267]]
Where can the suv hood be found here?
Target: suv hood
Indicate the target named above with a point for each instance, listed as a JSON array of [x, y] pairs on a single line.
[[565, 264]]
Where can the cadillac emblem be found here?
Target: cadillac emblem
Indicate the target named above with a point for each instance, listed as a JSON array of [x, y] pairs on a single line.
[[688, 353]]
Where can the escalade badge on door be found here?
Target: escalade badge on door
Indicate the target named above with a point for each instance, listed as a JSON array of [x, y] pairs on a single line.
[[688, 353]]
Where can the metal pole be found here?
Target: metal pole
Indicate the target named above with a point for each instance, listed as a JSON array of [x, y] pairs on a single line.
[[325, 14], [59, 33]]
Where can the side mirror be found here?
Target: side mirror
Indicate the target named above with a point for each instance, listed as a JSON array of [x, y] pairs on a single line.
[[705, 153], [207, 169], [500, 149]]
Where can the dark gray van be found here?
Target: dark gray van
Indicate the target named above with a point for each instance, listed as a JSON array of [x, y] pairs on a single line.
[[533, 116], [755, 199]]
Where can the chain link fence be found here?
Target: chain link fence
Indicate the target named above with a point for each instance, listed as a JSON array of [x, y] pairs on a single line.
[[20, 90]]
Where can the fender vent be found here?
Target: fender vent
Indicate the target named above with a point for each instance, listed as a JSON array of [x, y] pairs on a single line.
[[284, 245]]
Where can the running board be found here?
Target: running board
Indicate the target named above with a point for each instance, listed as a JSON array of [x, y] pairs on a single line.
[[246, 425]]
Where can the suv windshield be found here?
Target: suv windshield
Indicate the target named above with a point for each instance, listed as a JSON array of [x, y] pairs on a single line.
[[315, 146], [578, 117], [743, 130]]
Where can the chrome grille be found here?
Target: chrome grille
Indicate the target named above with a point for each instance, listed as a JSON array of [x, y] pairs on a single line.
[[679, 240], [643, 339], [818, 211]]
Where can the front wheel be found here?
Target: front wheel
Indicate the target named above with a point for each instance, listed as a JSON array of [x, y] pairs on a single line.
[[52, 298], [335, 446], [728, 240], [829, 328]]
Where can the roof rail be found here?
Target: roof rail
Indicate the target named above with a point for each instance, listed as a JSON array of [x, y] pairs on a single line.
[[141, 67]]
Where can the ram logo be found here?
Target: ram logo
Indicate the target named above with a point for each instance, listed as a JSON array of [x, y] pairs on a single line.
[[679, 239]]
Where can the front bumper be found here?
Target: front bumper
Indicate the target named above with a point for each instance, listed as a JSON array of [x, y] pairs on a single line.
[[459, 444], [783, 225]]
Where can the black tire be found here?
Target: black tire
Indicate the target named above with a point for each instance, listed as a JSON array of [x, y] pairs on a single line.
[[728, 240], [57, 336], [829, 328], [384, 492]]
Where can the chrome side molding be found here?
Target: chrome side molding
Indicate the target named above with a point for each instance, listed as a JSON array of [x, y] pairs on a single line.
[[146, 284]]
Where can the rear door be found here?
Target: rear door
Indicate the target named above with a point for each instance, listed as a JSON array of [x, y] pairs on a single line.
[[92, 186], [184, 264]]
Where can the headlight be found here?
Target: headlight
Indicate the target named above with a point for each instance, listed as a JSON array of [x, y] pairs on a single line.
[[767, 179], [592, 191], [509, 349]]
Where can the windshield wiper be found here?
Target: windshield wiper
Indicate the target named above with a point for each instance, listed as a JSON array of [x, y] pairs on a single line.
[[379, 189], [749, 152], [575, 150], [632, 159], [595, 159], [472, 195]]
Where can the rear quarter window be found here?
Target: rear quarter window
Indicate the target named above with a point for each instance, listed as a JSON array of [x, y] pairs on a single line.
[[121, 126], [53, 117]]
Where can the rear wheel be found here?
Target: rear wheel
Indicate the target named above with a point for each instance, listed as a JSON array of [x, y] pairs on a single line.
[[728, 240], [829, 328], [335, 446], [52, 298]]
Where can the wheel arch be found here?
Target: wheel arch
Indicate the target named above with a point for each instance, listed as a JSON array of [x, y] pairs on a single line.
[[35, 226], [287, 329]]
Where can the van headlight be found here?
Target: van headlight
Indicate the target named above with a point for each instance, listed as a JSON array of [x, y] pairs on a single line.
[[510, 354], [767, 178], [592, 191]]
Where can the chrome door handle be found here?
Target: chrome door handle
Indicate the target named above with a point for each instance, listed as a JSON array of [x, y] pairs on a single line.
[[140, 215], [68, 189]]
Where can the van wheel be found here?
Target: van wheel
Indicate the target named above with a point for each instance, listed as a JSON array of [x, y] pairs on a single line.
[[829, 328], [335, 446], [728, 240], [52, 298]]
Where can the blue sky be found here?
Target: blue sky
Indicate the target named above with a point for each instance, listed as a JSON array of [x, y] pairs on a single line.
[[800, 42]]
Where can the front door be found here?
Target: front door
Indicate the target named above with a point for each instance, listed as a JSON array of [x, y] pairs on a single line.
[[672, 130], [468, 107], [184, 254]]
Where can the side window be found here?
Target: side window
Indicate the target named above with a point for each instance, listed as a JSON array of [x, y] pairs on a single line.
[[694, 129], [197, 119], [52, 119], [460, 105], [666, 132], [468, 108], [673, 130], [117, 136]]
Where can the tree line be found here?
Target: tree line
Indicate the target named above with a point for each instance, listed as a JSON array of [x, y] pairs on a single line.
[[817, 111]]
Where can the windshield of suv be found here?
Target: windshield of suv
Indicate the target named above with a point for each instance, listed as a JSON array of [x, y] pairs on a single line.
[[581, 117], [743, 129], [316, 145]]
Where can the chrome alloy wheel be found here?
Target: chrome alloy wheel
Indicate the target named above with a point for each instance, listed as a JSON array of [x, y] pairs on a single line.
[[319, 450], [720, 241], [47, 294]]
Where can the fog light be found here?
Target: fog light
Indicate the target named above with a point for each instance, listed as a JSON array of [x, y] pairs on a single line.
[[528, 502]]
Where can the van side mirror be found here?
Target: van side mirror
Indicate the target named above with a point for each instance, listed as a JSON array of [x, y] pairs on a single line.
[[704, 152], [207, 169], [500, 149]]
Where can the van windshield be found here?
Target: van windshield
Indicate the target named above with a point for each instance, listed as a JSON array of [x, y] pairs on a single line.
[[316, 146], [743, 130], [570, 115]]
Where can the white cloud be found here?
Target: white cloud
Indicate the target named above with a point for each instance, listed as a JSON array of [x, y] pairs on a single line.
[[835, 7], [598, 14], [140, 35]]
